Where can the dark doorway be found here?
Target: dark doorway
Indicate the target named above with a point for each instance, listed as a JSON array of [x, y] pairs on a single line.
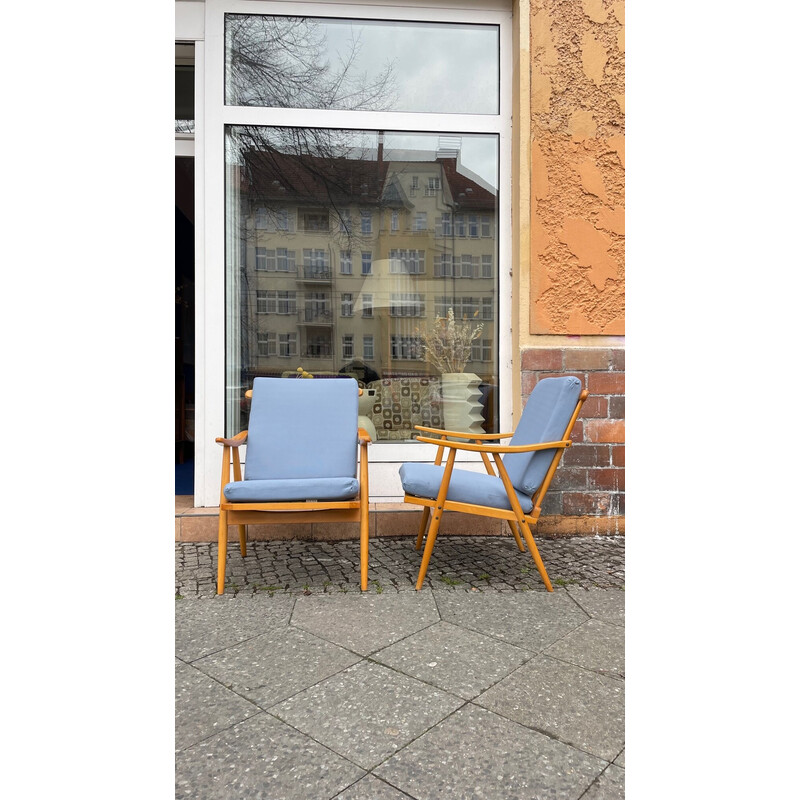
[[184, 326]]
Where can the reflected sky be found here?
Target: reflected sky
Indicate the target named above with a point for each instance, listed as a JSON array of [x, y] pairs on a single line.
[[436, 67], [431, 67]]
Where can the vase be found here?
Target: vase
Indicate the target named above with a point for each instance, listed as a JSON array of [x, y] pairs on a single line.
[[461, 402]]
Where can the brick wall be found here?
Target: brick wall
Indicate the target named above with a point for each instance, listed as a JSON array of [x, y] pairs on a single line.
[[588, 491]]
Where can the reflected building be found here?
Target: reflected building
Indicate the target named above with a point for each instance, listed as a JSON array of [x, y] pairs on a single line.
[[345, 261]]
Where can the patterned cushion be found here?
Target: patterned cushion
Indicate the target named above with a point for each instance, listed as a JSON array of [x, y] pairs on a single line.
[[401, 403]]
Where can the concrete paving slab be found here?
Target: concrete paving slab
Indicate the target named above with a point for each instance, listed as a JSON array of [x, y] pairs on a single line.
[[609, 786], [365, 623], [203, 707], [203, 626], [531, 620], [477, 755], [607, 605], [595, 645], [274, 666], [261, 758], [457, 660], [367, 712], [372, 788], [620, 760], [577, 706]]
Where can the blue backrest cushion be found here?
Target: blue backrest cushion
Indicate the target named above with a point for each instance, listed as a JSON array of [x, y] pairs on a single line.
[[302, 428], [544, 419]]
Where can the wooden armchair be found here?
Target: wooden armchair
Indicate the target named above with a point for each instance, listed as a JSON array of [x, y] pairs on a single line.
[[525, 469], [306, 461]]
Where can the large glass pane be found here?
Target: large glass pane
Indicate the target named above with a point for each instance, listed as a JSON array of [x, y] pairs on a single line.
[[368, 65], [367, 254]]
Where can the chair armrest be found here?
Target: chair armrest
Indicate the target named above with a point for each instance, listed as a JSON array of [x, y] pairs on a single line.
[[495, 448], [239, 439], [463, 434], [363, 436]]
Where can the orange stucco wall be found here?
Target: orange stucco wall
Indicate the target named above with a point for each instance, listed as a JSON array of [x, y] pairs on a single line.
[[577, 167]]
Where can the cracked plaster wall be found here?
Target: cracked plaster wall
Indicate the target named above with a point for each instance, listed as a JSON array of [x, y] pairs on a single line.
[[577, 167]]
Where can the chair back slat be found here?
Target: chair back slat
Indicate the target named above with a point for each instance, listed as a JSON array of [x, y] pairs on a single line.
[[302, 428], [544, 419]]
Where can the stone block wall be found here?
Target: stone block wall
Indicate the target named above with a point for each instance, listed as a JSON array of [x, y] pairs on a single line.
[[588, 491]]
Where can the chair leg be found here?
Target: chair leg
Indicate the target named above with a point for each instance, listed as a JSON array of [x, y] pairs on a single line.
[[243, 539], [364, 545], [537, 559], [222, 549], [437, 517], [429, 542], [426, 512], [515, 531]]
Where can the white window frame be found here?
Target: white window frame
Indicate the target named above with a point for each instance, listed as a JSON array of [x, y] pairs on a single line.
[[212, 319]]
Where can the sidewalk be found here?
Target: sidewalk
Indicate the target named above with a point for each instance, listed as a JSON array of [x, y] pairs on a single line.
[[294, 685]]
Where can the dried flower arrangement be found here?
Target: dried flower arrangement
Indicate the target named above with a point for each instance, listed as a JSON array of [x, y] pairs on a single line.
[[448, 344]]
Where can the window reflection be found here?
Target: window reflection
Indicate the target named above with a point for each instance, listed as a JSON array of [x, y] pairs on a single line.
[[367, 65], [344, 248]]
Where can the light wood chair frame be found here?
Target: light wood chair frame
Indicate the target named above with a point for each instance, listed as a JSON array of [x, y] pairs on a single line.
[[517, 519], [244, 514]]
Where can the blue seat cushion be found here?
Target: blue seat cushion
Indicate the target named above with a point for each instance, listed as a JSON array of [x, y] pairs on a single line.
[[424, 480], [291, 490]]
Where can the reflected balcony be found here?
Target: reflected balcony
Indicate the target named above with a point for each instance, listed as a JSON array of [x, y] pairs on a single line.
[[315, 316], [314, 275]]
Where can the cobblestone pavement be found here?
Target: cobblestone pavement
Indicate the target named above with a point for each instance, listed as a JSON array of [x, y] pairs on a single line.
[[492, 564]]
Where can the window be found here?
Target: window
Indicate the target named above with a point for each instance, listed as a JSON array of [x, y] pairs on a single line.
[[315, 263], [347, 347], [463, 266], [406, 347], [407, 304], [285, 260], [386, 185], [407, 262], [287, 345], [464, 307], [286, 302], [276, 302], [444, 224], [443, 266], [315, 220], [266, 344], [481, 350], [366, 262], [316, 310]]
